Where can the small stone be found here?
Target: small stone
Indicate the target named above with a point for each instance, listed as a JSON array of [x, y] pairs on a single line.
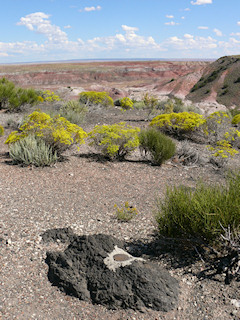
[[236, 303], [9, 241]]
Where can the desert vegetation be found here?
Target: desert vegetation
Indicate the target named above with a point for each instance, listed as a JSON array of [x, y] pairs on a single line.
[[204, 213]]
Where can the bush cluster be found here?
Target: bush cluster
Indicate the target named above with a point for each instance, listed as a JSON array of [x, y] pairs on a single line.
[[57, 132]]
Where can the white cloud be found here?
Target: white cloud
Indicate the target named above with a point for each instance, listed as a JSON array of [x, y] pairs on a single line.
[[238, 23], [89, 9], [172, 23], [218, 32], [67, 27], [129, 29], [40, 23], [190, 42], [187, 9], [127, 43], [237, 34], [169, 16], [203, 28], [200, 2]]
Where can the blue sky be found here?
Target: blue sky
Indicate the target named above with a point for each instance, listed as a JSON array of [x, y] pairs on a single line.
[[50, 30]]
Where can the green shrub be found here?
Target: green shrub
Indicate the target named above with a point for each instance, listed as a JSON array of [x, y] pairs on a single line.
[[198, 213], [13, 98], [57, 132], [150, 103], [32, 150], [114, 141], [95, 98], [74, 112], [1, 131], [139, 105], [178, 124], [236, 119], [216, 125], [125, 213], [157, 145], [126, 103]]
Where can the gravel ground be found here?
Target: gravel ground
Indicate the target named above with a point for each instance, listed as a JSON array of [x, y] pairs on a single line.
[[80, 193]]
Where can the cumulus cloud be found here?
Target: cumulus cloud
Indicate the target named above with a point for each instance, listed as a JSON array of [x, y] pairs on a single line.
[[40, 23], [218, 32], [126, 43], [190, 42], [200, 2], [238, 23], [169, 16]]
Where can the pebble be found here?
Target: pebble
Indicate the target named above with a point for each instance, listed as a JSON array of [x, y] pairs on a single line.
[[236, 303]]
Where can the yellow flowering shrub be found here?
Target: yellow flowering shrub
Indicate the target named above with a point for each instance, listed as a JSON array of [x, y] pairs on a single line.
[[126, 212], [48, 96], [126, 103], [95, 98], [178, 124], [223, 149], [57, 132], [1, 131], [115, 141]]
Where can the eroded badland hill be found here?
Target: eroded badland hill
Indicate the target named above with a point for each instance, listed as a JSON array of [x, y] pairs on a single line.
[[118, 78]]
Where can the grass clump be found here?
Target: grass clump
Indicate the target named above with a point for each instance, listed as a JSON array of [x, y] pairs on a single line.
[[200, 213], [32, 150], [157, 145]]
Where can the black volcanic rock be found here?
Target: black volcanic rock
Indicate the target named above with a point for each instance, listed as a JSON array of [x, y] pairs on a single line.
[[98, 269]]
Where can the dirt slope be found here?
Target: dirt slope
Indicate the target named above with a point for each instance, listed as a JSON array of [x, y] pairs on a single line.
[[220, 82]]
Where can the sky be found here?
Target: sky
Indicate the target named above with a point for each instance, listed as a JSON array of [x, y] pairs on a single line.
[[53, 30]]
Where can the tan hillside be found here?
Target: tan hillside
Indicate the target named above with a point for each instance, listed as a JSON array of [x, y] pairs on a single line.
[[220, 82]]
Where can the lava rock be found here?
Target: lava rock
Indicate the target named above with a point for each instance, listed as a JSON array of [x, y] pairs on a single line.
[[98, 269], [62, 234]]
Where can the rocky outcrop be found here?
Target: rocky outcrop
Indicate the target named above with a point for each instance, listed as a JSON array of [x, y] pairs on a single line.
[[99, 269]]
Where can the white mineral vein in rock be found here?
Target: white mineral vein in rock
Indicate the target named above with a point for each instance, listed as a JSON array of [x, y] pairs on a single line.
[[113, 264]]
